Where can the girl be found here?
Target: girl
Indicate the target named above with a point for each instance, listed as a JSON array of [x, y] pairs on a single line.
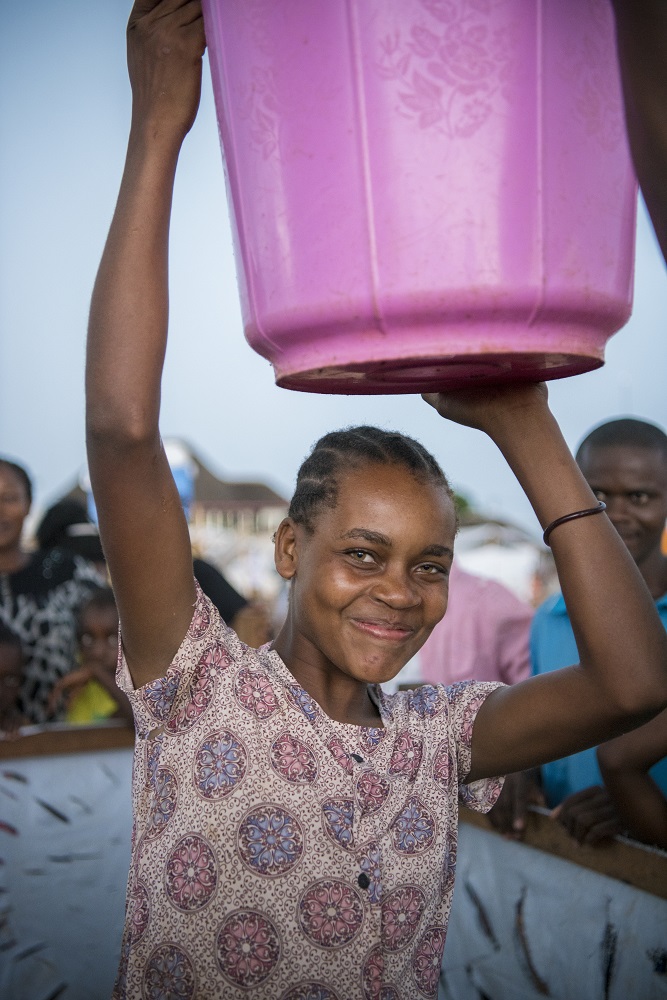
[[90, 690], [295, 830]]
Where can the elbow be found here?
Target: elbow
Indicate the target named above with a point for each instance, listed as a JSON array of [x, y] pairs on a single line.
[[125, 426]]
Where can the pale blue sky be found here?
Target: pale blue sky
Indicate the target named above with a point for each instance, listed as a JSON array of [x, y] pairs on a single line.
[[64, 110]]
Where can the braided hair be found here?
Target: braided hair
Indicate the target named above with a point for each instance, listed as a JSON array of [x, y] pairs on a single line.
[[317, 481]]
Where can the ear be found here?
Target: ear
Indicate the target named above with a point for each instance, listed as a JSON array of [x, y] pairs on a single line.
[[285, 551]]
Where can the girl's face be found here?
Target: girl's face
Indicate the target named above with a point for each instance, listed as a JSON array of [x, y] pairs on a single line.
[[98, 638], [371, 582], [14, 507]]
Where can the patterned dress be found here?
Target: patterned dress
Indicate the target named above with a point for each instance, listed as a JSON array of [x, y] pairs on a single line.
[[279, 854]]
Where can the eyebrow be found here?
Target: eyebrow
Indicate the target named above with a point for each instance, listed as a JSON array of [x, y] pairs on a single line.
[[375, 538]]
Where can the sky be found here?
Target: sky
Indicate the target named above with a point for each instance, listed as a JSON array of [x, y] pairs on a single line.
[[64, 114]]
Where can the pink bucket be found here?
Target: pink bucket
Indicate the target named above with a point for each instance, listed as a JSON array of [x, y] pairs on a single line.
[[425, 193]]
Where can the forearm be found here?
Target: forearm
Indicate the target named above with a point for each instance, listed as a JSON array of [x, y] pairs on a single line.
[[641, 28], [639, 803], [612, 614], [129, 309]]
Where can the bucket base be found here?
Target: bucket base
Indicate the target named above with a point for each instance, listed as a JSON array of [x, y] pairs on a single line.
[[416, 375]]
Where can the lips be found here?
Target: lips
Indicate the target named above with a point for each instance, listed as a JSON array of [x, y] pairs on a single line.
[[391, 631]]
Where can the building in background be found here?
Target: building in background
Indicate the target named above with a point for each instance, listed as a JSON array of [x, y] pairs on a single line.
[[231, 523]]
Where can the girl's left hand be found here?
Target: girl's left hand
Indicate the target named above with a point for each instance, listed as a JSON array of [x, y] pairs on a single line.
[[485, 406]]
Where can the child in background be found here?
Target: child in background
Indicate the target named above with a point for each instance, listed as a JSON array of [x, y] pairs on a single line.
[[11, 676], [91, 691]]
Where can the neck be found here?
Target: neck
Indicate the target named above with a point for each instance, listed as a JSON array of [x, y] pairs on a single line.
[[342, 698], [12, 559], [654, 571]]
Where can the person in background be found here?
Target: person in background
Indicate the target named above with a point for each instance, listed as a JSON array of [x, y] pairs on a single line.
[[67, 525], [484, 634], [11, 675], [39, 595], [249, 619], [90, 691]]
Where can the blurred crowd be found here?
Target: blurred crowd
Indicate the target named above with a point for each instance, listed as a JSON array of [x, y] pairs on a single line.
[[59, 637], [58, 618]]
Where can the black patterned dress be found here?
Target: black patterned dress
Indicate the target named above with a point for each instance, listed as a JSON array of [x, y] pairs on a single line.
[[39, 603]]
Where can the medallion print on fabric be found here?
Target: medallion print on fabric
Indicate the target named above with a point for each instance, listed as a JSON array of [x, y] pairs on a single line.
[[247, 948], [310, 991], [443, 765], [428, 959], [139, 910], [369, 862], [370, 738], [413, 829], [158, 696], [270, 841], [340, 754], [220, 764], [406, 755], [330, 913], [201, 688], [201, 620], [293, 759], [402, 909], [425, 702], [304, 702], [338, 821], [468, 720], [153, 751], [254, 693], [372, 792], [163, 801], [191, 874], [371, 978], [449, 868], [169, 974]]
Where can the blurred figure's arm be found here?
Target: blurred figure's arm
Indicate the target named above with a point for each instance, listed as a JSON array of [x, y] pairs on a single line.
[[625, 763]]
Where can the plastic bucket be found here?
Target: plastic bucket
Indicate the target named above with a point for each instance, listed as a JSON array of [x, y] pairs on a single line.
[[424, 193]]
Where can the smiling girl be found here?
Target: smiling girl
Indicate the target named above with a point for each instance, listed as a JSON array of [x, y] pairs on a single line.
[[295, 830]]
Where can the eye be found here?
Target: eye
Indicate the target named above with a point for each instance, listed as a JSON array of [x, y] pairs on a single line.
[[600, 495], [433, 569], [361, 556], [639, 498]]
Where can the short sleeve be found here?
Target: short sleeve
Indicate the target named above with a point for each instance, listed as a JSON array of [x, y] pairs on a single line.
[[175, 700], [465, 700]]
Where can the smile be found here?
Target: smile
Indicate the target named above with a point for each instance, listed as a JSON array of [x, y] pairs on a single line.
[[388, 631]]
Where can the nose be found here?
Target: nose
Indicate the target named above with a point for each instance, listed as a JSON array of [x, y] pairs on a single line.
[[618, 508], [396, 589]]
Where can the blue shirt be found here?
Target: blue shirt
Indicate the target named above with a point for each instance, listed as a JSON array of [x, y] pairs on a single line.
[[552, 646]]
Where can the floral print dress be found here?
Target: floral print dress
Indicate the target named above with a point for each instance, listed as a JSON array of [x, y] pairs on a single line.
[[279, 854]]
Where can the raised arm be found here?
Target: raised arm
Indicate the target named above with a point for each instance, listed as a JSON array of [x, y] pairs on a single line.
[[625, 764], [142, 525], [613, 616], [641, 31]]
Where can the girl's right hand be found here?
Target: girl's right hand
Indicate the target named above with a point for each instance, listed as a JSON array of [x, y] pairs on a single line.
[[165, 45]]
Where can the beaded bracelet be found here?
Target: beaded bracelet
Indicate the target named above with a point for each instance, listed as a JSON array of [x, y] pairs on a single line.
[[572, 517]]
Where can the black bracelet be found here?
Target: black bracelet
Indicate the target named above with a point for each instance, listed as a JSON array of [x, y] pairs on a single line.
[[572, 517]]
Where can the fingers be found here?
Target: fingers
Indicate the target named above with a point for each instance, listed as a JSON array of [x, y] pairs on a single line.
[[588, 816]]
